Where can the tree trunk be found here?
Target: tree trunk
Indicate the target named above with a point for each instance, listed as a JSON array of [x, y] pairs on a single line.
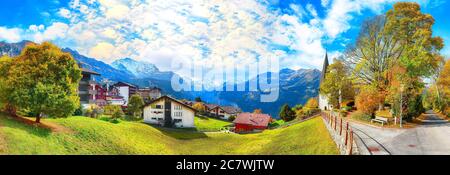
[[38, 118], [11, 110]]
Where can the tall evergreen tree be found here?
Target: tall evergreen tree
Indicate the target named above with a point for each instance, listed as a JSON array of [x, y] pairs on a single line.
[[286, 113]]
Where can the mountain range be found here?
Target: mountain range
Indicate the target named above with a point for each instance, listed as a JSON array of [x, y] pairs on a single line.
[[296, 86]]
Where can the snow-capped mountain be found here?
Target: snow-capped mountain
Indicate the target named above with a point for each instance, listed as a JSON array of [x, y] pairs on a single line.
[[140, 69]]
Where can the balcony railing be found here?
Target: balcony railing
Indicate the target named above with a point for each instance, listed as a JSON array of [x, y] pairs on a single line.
[[92, 92]]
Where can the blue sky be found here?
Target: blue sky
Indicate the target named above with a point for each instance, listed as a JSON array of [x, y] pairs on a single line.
[[296, 31]]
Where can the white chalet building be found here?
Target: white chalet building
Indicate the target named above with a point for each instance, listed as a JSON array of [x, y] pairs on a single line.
[[167, 111]]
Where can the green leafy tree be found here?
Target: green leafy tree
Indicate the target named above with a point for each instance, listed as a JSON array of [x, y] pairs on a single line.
[[118, 113], [44, 81], [198, 99], [286, 113], [297, 107], [337, 84], [5, 66], [312, 103], [395, 50], [135, 106]]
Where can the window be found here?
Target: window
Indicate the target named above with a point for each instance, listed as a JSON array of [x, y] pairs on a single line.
[[178, 107], [158, 106], [178, 121], [178, 114]]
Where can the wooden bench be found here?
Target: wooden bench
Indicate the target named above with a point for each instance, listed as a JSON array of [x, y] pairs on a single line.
[[381, 120]]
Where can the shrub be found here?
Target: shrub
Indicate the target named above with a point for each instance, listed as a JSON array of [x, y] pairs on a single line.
[[447, 111], [286, 113], [106, 119], [346, 108], [276, 123], [232, 118], [297, 107], [115, 121], [368, 100], [118, 113], [93, 111], [359, 115], [79, 111], [312, 103], [110, 109]]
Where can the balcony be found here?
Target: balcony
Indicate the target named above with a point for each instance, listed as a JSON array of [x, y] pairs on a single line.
[[83, 92]]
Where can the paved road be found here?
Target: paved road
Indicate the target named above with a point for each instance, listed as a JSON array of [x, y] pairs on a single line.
[[427, 139]]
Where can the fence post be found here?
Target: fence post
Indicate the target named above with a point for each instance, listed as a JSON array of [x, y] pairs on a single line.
[[335, 123], [346, 134], [351, 143], [340, 131]]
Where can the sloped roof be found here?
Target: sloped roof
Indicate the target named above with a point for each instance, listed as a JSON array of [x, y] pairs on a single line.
[[87, 71], [211, 106], [253, 119], [120, 83], [172, 99], [231, 109]]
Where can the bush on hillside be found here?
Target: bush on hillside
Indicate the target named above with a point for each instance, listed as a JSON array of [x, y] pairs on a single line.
[[93, 111], [232, 118], [110, 109], [286, 113], [78, 112], [118, 113], [312, 103], [359, 115]]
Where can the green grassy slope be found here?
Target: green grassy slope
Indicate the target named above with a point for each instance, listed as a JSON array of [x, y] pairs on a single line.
[[91, 136], [209, 124]]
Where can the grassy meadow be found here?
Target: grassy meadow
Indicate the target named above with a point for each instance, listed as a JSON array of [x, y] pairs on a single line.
[[82, 135]]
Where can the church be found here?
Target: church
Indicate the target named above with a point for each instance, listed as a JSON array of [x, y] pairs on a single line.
[[323, 99]]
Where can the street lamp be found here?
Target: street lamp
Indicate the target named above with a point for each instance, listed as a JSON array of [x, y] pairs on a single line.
[[402, 88]]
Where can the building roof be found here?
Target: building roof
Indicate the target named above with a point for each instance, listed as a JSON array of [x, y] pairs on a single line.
[[88, 71], [120, 83], [211, 106], [150, 89], [231, 109], [172, 99], [253, 119], [324, 69], [228, 109]]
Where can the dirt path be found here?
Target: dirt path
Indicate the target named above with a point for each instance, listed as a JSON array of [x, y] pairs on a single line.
[[55, 128]]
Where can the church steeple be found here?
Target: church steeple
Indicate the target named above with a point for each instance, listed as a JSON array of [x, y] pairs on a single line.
[[325, 67]]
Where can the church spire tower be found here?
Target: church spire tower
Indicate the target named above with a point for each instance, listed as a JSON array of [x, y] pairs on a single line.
[[323, 99], [325, 67]]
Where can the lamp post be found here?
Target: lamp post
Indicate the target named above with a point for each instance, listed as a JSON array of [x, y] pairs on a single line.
[[402, 87]]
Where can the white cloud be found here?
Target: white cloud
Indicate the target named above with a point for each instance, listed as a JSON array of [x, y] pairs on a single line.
[[63, 12], [342, 12], [204, 31], [35, 28], [102, 50], [57, 30], [10, 34]]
